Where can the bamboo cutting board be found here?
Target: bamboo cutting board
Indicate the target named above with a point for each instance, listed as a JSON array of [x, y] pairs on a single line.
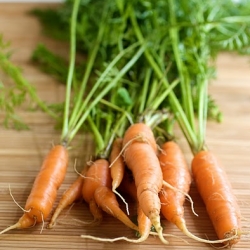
[[21, 153]]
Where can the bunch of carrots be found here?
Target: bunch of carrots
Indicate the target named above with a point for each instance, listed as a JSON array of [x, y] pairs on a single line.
[[126, 117]]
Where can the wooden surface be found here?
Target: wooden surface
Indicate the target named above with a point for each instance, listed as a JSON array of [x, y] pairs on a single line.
[[22, 152]]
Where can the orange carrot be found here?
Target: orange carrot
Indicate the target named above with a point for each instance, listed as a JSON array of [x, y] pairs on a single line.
[[97, 175], [107, 201], [140, 156], [117, 164], [176, 173], [217, 194], [72, 194], [117, 167], [43, 194]]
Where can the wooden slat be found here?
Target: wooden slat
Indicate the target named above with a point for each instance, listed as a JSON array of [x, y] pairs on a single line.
[[22, 152]]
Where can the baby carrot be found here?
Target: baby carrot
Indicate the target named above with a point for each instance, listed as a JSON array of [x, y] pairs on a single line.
[[43, 194], [117, 164], [117, 167], [73, 193]]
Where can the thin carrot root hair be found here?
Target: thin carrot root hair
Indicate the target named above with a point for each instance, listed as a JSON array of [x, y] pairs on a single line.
[[141, 239], [166, 184], [123, 200], [170, 235]]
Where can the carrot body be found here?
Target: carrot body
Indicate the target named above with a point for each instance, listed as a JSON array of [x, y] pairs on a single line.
[[44, 191], [107, 201], [140, 157], [176, 173], [72, 194], [118, 167], [97, 175], [217, 194]]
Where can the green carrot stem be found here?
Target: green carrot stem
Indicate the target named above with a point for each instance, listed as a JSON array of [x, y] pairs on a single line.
[[104, 91], [183, 74], [176, 106], [65, 128], [77, 112], [85, 103]]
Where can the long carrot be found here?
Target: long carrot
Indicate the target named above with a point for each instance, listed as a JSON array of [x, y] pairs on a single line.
[[217, 194], [140, 156], [97, 175], [72, 194], [43, 194]]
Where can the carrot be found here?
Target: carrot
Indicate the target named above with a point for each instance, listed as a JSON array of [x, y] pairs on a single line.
[[106, 199], [43, 194], [72, 194], [140, 156], [217, 194], [176, 173], [97, 175], [117, 168]]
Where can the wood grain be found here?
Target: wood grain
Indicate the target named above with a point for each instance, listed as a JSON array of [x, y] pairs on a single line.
[[22, 152]]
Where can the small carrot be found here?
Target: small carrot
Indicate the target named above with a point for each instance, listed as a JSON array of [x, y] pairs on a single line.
[[97, 175], [106, 200], [72, 194], [217, 194], [44, 191], [117, 164], [117, 168], [140, 156]]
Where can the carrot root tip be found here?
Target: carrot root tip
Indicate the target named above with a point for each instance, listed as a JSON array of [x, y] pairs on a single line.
[[15, 226], [155, 220]]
